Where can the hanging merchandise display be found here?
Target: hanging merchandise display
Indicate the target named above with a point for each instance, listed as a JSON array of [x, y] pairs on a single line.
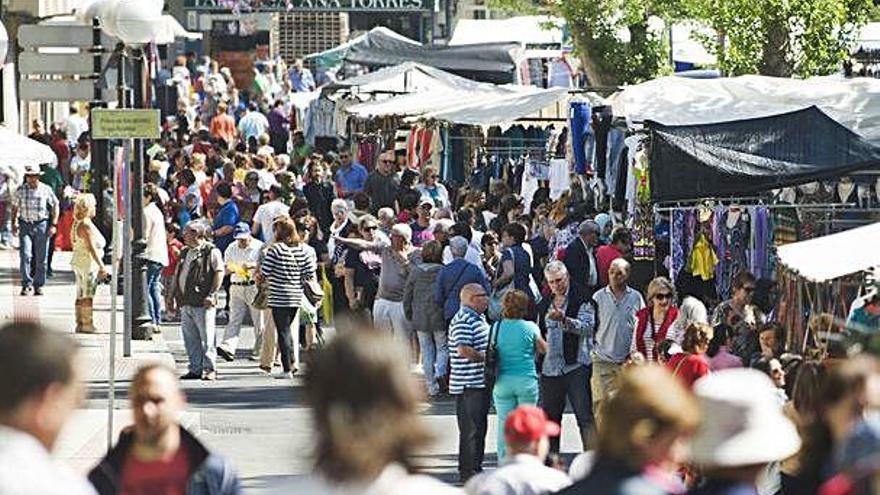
[[583, 141]]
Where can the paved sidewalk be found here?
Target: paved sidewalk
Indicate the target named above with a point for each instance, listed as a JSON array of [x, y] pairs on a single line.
[[259, 423], [84, 440]]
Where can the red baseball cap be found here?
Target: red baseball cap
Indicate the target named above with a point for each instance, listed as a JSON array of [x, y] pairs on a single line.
[[529, 423]]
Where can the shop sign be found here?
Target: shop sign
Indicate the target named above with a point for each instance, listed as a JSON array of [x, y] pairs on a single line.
[[312, 5], [125, 124]]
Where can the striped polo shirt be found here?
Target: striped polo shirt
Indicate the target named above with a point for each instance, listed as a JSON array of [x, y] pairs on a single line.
[[467, 328], [285, 267]]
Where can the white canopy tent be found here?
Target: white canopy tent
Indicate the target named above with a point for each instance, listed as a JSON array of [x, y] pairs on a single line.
[[854, 103], [503, 109], [17, 151], [526, 30], [833, 256], [419, 103], [408, 77]]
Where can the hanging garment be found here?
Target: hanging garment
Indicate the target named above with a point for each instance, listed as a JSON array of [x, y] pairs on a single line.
[[731, 242], [761, 233], [528, 188], [615, 150], [677, 253], [582, 139], [703, 259], [560, 180], [601, 129]]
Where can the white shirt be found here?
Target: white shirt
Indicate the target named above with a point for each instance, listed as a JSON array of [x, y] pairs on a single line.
[[266, 215], [521, 474], [155, 235], [393, 480], [239, 255], [76, 125], [27, 469]]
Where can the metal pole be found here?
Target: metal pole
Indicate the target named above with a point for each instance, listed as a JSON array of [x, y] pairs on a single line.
[[98, 148], [111, 400], [126, 204], [140, 328], [126, 253]]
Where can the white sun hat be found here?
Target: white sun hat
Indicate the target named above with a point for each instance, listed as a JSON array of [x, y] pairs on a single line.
[[742, 422]]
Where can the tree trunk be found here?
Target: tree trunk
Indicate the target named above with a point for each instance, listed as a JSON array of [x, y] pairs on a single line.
[[775, 60], [591, 57]]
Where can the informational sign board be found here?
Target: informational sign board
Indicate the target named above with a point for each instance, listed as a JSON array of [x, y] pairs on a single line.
[[317, 5], [125, 124]]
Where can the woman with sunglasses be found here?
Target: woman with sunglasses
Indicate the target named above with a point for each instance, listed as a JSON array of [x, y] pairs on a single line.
[[743, 317], [432, 188], [654, 321]]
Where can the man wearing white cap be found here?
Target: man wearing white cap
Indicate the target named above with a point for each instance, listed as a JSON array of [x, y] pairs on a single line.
[[742, 432], [241, 258], [35, 216]]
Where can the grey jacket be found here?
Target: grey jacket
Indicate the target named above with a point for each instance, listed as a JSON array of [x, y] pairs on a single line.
[[419, 303]]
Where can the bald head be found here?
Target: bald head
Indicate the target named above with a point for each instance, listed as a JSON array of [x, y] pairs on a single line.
[[475, 297]]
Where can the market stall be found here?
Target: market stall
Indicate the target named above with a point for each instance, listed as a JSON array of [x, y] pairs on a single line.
[[824, 275], [727, 169]]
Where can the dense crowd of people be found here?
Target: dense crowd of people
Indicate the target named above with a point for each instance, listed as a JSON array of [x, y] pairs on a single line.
[[531, 310]]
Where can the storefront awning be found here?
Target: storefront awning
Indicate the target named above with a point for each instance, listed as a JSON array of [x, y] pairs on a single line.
[[833, 256]]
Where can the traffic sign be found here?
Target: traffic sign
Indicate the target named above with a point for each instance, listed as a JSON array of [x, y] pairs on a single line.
[[125, 124], [61, 90], [60, 35], [56, 63]]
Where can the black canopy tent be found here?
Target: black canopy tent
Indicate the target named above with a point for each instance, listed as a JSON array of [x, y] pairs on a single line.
[[747, 157], [487, 62]]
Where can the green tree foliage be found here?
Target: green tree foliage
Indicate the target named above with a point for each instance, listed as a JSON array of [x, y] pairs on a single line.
[[780, 37], [771, 37], [599, 30]]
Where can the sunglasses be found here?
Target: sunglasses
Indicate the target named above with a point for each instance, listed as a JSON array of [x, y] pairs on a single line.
[[387, 161], [426, 206], [663, 296], [482, 294], [370, 228]]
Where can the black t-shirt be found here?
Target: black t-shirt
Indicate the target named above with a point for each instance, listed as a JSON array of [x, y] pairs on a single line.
[[366, 265]]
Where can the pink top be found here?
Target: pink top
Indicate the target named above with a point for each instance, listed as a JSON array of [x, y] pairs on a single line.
[[724, 360]]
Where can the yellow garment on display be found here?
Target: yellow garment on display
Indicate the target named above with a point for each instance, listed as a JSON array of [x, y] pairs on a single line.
[[703, 259]]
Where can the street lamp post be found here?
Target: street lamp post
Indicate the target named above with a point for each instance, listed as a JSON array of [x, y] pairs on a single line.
[[141, 320]]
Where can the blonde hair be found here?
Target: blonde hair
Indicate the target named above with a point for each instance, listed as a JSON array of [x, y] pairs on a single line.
[[84, 206], [658, 285], [515, 305], [650, 402], [428, 171]]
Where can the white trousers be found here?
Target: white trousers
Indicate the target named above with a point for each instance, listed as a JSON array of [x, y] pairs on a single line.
[[240, 298], [389, 316]]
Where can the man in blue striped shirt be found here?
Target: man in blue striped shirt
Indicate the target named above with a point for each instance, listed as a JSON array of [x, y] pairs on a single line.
[[468, 339]]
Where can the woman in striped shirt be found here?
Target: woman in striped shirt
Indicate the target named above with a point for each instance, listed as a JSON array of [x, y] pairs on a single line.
[[285, 267]]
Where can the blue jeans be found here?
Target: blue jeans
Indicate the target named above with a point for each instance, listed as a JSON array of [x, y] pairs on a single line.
[[197, 324], [33, 248], [154, 291], [510, 392], [434, 358]]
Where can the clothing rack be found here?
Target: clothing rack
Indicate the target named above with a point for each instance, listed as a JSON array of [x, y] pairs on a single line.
[[842, 207]]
